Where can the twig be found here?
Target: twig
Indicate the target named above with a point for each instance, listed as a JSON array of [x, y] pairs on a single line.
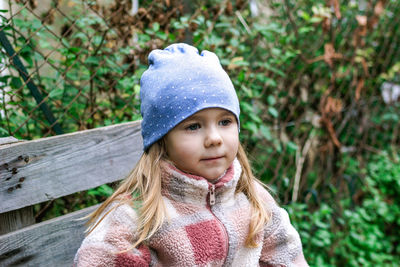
[[241, 19], [300, 164]]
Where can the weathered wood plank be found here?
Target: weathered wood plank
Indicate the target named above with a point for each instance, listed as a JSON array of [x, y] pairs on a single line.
[[50, 243], [8, 140], [35, 171], [15, 219]]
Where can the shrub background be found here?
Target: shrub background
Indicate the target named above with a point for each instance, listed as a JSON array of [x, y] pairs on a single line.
[[313, 81]]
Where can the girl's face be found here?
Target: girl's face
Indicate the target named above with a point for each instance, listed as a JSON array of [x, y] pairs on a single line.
[[205, 144]]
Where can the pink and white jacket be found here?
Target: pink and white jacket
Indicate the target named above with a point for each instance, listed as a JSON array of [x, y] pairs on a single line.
[[207, 226]]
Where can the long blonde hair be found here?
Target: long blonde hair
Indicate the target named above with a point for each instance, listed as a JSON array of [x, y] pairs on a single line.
[[144, 186]]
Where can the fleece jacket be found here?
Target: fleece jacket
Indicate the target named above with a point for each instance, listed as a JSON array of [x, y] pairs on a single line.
[[207, 225]]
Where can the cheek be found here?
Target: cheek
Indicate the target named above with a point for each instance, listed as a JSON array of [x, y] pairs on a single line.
[[181, 149], [233, 142], [233, 138]]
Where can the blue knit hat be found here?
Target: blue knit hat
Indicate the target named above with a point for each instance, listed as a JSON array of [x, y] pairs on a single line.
[[178, 83]]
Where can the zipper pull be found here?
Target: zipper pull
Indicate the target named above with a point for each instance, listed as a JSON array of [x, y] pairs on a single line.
[[212, 195]]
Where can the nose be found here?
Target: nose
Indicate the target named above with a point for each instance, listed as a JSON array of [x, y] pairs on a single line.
[[213, 137]]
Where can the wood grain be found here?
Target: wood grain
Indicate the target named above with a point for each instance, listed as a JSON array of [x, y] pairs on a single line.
[[51, 243], [15, 219], [36, 171], [8, 140]]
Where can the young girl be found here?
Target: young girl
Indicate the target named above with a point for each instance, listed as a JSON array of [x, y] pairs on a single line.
[[192, 199]]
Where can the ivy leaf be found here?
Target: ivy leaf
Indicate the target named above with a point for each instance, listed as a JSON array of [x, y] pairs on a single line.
[[265, 131], [16, 82], [3, 132], [271, 100], [273, 112], [252, 127], [156, 26], [292, 146], [103, 190], [56, 92]]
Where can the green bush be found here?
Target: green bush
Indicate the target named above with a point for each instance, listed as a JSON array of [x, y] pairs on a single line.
[[361, 230], [291, 94]]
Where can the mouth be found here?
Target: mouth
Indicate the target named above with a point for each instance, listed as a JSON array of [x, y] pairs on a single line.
[[212, 158]]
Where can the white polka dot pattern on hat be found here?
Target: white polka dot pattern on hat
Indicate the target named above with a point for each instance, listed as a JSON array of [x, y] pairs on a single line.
[[178, 83]]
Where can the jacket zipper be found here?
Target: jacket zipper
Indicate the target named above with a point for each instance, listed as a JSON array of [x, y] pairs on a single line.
[[210, 204]]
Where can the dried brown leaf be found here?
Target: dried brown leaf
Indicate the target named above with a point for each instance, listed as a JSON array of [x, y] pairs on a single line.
[[362, 20], [331, 131], [326, 24], [378, 9], [365, 66], [229, 8], [336, 7], [330, 54], [333, 106], [359, 87]]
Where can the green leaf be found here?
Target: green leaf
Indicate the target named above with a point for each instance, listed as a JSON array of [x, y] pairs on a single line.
[[136, 89], [276, 51], [103, 190], [162, 35], [56, 92], [81, 35], [4, 78], [273, 112], [16, 82], [390, 117], [265, 131], [252, 127], [306, 29], [271, 100], [316, 19], [246, 107], [3, 132], [92, 60], [156, 26], [292, 146], [172, 36], [273, 69], [241, 76], [304, 15], [270, 82]]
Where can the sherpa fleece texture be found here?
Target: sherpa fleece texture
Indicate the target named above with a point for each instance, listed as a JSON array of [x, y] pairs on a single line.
[[197, 233]]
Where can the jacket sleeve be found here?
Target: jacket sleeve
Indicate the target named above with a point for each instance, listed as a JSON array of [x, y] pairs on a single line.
[[281, 242], [105, 245]]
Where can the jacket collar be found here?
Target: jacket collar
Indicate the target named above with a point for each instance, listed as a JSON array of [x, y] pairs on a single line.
[[187, 188]]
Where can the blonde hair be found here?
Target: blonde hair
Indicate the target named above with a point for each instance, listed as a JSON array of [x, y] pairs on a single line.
[[144, 186]]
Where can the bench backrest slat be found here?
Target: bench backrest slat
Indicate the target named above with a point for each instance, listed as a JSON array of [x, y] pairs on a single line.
[[36, 171], [50, 243]]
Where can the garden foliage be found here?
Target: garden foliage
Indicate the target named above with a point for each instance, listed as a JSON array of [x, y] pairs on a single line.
[[309, 75]]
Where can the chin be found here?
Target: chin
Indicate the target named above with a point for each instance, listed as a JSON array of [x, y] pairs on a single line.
[[212, 177]]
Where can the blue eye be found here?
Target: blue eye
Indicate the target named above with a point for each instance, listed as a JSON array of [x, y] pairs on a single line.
[[225, 122], [193, 127]]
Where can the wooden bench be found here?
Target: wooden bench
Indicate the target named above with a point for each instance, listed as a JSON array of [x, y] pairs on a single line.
[[36, 171]]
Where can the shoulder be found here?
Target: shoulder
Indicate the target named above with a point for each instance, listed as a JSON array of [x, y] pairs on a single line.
[[117, 215], [279, 217], [282, 245], [115, 224], [265, 196], [110, 243], [113, 232]]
